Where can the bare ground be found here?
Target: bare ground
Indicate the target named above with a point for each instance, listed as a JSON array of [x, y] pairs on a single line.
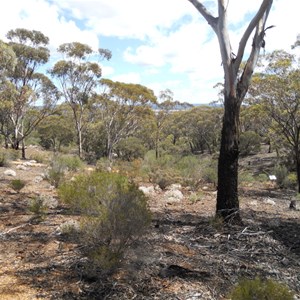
[[185, 255]]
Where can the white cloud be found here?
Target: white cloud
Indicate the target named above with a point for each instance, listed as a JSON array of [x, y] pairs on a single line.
[[107, 71], [174, 38], [43, 16], [130, 77]]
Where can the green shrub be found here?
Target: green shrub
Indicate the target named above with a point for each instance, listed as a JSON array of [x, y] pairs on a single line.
[[103, 164], [61, 164], [249, 143], [262, 177], [259, 289], [6, 155], [131, 148], [17, 184], [283, 178], [38, 208], [56, 175], [195, 197], [69, 162], [114, 212], [39, 156], [245, 176], [3, 159]]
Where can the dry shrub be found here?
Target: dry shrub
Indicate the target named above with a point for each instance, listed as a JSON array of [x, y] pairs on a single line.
[[113, 211], [259, 289]]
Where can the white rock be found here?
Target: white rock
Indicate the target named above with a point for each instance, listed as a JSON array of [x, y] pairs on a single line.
[[269, 201], [50, 201], [173, 196], [147, 190], [38, 179], [10, 172], [22, 167], [174, 186], [254, 202]]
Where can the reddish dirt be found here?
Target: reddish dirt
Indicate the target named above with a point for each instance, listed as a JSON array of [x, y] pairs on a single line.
[[185, 255]]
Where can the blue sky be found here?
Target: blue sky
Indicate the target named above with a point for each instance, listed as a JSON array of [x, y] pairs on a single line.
[[162, 44]]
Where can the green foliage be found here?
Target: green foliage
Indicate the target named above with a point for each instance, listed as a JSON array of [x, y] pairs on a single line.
[[262, 177], [17, 184], [195, 197], [38, 208], [209, 172], [3, 159], [103, 165], [61, 164], [39, 156], [7, 155], [131, 148], [114, 212], [292, 180], [259, 289], [284, 179], [245, 176], [249, 143], [217, 222]]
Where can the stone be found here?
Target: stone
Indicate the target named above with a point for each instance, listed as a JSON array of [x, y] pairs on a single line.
[[38, 179], [147, 190], [174, 186], [173, 196], [269, 201], [10, 172]]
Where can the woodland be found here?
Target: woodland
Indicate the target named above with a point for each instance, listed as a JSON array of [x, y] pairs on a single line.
[[111, 192]]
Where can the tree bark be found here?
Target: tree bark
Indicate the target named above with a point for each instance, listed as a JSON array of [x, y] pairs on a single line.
[[227, 197], [235, 89], [298, 167]]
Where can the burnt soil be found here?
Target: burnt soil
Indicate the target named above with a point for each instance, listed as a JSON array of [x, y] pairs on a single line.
[[186, 254]]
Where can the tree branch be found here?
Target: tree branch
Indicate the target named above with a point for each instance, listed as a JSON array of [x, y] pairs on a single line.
[[212, 21], [262, 12]]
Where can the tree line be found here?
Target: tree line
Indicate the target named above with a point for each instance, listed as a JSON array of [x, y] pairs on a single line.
[[72, 103]]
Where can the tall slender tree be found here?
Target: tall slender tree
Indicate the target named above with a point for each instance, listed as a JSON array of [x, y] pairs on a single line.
[[78, 78], [27, 88], [237, 79]]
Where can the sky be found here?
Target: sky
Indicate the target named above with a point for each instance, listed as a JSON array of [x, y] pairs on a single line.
[[161, 44]]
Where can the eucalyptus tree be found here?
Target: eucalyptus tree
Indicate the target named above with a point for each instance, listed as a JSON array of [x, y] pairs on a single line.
[[203, 128], [30, 96], [277, 90], [121, 107], [8, 62], [165, 108], [57, 130], [237, 77], [78, 75]]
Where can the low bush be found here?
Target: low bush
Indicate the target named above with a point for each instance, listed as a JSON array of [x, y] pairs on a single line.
[[59, 165], [38, 208], [17, 184], [258, 289], [7, 155], [249, 143], [131, 148], [114, 213], [284, 179]]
